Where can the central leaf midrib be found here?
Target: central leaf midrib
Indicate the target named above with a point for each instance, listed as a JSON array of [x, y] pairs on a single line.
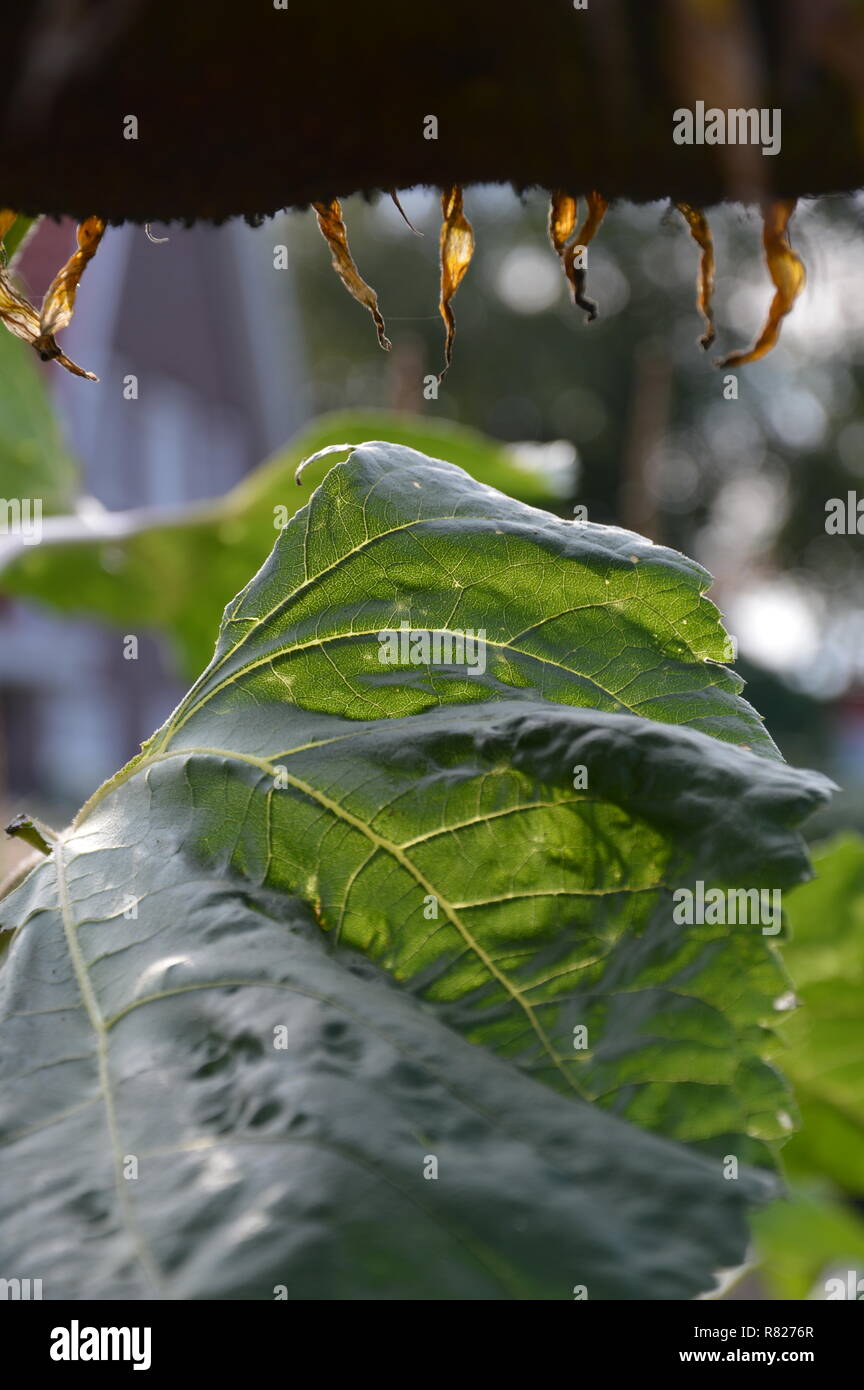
[[97, 1023]]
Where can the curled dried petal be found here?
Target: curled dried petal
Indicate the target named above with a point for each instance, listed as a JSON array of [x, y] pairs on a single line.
[[786, 271], [59, 302], [19, 315], [569, 244], [334, 233], [17, 312], [402, 213], [597, 206], [457, 248], [562, 220], [701, 234], [563, 211]]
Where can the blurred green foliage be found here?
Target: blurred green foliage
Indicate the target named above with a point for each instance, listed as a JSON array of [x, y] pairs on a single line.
[[34, 462], [174, 571], [823, 1049], [820, 1228], [804, 1241]]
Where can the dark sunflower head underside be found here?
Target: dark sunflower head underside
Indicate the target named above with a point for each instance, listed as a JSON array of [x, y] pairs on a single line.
[[152, 110], [245, 110]]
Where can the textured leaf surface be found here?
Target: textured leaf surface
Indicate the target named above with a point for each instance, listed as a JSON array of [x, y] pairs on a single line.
[[175, 569], [577, 613], [428, 816], [300, 1166], [539, 891]]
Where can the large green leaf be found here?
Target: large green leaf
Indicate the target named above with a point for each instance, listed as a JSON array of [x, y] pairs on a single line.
[[823, 1043], [429, 818], [175, 569], [299, 1166], [583, 616]]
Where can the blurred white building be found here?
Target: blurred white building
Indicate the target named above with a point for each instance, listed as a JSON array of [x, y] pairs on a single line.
[[209, 331]]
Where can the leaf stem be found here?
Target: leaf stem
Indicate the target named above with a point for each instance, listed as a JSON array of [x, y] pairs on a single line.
[[33, 832]]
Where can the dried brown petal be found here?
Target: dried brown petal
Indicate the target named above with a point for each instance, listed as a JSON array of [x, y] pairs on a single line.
[[59, 302], [597, 206], [402, 213], [788, 274], [457, 248], [17, 312], [562, 220], [701, 234], [568, 243], [334, 233], [19, 315]]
